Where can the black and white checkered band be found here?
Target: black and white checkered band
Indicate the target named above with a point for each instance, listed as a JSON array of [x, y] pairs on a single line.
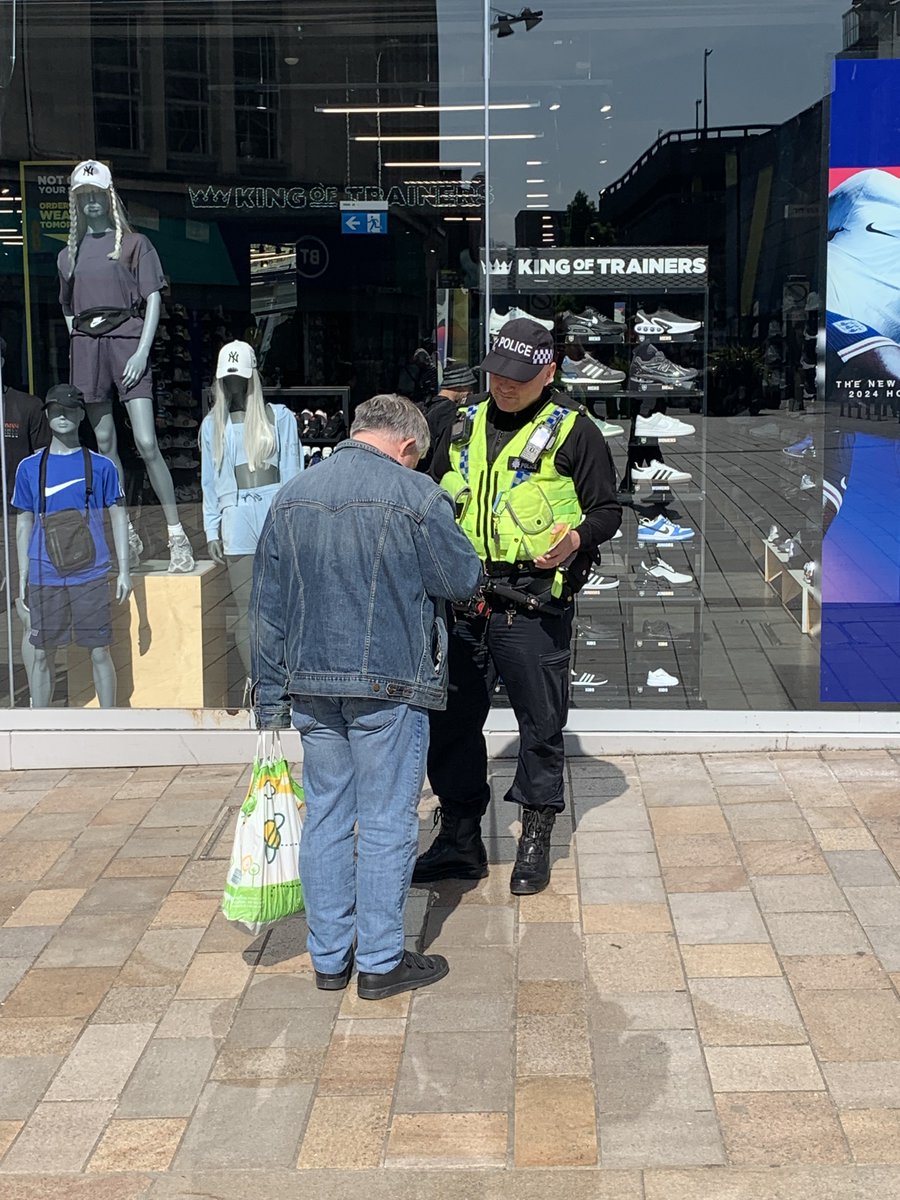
[[542, 355]]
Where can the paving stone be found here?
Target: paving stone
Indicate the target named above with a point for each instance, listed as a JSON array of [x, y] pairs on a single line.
[[145, 868], [101, 1062], [262, 1028], [163, 843], [391, 1008], [852, 1026], [763, 1069], [448, 1139], [196, 1018], [799, 893], [47, 827], [214, 976], [705, 879], [346, 1132], [555, 1123], [830, 972], [723, 917], [33, 860], [23, 1082], [210, 1139], [783, 858], [817, 933], [688, 819], [845, 839], [557, 1047], [746, 1012], [626, 918], [548, 952], [676, 1137], [745, 959], [71, 800], [857, 1085], [66, 992], [875, 905], [181, 811], [472, 926], [9, 1131], [873, 1134], [633, 962], [646, 1071], [453, 1072], [296, 1063], [861, 868], [44, 908], [886, 944], [79, 868], [621, 1012], [596, 891], [744, 830], [780, 1128], [697, 850], [223, 937], [833, 818], [168, 1079], [94, 941], [187, 910], [622, 816], [123, 895], [134, 1005], [539, 997], [25, 942], [58, 1137], [494, 890], [288, 991], [362, 1065], [436, 1011], [692, 792], [616, 866], [22, 1037], [137, 1146], [551, 906], [11, 972], [160, 958]]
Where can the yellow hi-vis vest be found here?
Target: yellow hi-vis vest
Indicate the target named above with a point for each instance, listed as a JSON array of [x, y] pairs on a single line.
[[508, 510]]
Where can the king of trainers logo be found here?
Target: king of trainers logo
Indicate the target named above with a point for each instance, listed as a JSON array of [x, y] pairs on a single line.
[[611, 266]]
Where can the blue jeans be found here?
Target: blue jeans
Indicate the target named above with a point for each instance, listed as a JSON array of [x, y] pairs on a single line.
[[363, 764]]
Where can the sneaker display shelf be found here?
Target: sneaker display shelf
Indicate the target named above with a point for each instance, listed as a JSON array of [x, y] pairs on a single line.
[[799, 595], [323, 413]]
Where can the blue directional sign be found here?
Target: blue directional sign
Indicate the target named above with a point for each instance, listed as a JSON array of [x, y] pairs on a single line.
[[364, 222]]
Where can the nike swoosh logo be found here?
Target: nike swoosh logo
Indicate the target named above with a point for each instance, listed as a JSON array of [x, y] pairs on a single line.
[[870, 228], [51, 491]]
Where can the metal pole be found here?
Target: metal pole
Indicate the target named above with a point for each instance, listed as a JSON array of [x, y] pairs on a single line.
[[697, 104], [7, 559], [486, 223], [706, 54]]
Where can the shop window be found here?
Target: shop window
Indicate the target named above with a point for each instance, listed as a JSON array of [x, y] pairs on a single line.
[[256, 99], [117, 90], [187, 95]]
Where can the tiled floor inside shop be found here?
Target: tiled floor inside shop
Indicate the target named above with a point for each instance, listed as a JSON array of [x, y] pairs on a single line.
[[702, 1006]]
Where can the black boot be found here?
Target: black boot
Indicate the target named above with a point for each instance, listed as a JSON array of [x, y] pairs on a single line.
[[456, 853], [531, 872]]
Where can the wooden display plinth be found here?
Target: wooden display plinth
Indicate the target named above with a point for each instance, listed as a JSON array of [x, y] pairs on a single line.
[[168, 643], [790, 585]]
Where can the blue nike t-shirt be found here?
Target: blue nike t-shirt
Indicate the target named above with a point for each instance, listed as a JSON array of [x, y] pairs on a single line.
[[65, 489]]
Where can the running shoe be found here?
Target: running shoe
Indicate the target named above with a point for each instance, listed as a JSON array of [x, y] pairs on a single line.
[[651, 368], [586, 682], [662, 530], [591, 323], [807, 483], [773, 535], [181, 557], [658, 472], [183, 462], [588, 370], [664, 323], [661, 679], [598, 583], [607, 428], [183, 421], [802, 449], [809, 572], [498, 320], [662, 425], [662, 572], [661, 631]]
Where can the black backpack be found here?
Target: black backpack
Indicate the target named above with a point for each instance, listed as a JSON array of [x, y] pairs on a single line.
[[67, 534]]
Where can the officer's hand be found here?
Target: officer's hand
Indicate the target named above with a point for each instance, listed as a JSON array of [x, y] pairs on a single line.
[[562, 551]]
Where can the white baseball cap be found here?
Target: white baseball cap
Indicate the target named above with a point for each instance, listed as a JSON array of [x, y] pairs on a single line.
[[91, 173], [237, 358]]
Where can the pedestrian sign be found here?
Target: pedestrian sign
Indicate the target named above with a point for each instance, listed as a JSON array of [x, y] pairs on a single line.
[[364, 222]]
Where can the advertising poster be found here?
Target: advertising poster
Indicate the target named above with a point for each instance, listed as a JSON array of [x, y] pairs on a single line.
[[861, 453]]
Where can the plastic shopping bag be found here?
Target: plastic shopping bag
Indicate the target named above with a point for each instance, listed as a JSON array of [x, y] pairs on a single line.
[[263, 882]]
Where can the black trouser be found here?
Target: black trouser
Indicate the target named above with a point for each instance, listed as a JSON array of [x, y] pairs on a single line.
[[531, 655]]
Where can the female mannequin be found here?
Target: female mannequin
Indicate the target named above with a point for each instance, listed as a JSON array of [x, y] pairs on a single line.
[[108, 273], [249, 450]]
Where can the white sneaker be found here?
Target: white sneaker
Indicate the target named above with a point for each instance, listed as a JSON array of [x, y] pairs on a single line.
[[607, 428], [618, 534], [599, 583], [586, 681], [181, 557], [661, 679], [662, 425], [498, 320], [663, 571], [658, 472]]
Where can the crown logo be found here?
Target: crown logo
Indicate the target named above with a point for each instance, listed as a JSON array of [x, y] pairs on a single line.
[[498, 267]]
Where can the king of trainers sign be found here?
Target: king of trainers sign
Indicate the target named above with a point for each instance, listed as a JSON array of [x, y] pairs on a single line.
[[606, 269]]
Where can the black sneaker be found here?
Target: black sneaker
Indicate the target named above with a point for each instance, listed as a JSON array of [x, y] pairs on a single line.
[[650, 367], [411, 972], [336, 982]]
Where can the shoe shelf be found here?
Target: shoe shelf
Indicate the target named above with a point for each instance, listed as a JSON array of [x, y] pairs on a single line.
[[799, 598]]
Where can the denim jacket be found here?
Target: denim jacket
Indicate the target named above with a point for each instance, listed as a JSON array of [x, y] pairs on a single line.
[[220, 489], [355, 562]]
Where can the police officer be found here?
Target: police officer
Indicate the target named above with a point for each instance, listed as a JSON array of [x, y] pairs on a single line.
[[535, 491]]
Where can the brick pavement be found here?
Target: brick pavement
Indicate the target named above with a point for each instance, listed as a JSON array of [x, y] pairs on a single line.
[[703, 1006]]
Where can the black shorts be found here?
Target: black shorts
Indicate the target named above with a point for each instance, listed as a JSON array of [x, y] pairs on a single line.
[[77, 612], [97, 365]]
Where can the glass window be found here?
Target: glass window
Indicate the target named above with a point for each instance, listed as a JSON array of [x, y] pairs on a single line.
[[117, 90], [187, 112]]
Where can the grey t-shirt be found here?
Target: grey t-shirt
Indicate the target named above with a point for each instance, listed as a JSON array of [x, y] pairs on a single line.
[[101, 282]]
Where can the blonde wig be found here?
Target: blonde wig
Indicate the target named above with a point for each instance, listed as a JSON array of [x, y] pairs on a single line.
[[259, 434], [78, 224]]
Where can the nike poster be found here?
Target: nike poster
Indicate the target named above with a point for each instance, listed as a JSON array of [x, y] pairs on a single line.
[[860, 578]]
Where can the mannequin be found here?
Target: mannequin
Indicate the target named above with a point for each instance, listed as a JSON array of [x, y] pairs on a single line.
[[249, 450], [60, 607], [108, 273]]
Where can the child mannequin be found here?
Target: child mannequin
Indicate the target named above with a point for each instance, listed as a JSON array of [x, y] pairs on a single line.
[[249, 450]]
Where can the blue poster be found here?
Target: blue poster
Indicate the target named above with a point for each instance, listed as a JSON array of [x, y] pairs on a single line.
[[861, 461]]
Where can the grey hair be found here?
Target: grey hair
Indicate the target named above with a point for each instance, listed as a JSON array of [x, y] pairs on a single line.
[[394, 416]]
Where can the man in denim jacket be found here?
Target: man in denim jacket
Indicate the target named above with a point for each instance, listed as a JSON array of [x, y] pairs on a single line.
[[352, 572]]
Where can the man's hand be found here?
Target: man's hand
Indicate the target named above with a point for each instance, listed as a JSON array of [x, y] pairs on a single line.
[[569, 543], [134, 369], [123, 587]]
